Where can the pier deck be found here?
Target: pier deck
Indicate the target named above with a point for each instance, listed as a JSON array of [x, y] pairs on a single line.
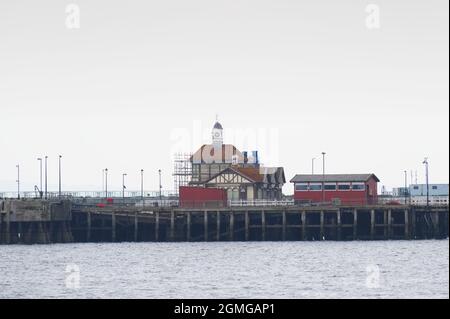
[[49, 222]]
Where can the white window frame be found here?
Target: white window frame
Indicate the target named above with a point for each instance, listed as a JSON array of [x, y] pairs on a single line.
[[330, 190], [315, 184], [302, 190], [358, 190], [344, 190]]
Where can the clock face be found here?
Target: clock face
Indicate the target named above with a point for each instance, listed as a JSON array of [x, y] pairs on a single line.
[[217, 134]]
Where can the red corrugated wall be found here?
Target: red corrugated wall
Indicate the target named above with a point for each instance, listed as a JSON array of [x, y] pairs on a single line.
[[201, 197], [346, 197]]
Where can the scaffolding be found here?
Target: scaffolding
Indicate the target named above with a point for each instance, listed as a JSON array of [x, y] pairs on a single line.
[[182, 172]]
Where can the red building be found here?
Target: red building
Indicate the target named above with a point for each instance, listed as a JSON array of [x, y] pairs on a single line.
[[201, 197], [353, 189]]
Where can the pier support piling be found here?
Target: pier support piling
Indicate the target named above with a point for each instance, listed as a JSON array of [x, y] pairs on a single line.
[[389, 223], [322, 229], [157, 226], [263, 225], [355, 224], [304, 225], [407, 232], [89, 224], [231, 235], [205, 225], [218, 225], [339, 224], [188, 224], [372, 224], [113, 227], [247, 226], [136, 227], [436, 225]]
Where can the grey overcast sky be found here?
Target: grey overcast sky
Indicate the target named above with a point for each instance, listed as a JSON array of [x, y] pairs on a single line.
[[308, 76]]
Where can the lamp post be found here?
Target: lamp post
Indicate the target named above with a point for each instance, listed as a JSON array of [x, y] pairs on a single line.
[[46, 158], [427, 182], [406, 187], [123, 188], [40, 177], [160, 186], [323, 177], [59, 165], [18, 181], [106, 183], [142, 186]]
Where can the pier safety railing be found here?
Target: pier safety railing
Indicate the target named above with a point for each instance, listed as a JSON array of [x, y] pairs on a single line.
[[260, 203], [88, 194]]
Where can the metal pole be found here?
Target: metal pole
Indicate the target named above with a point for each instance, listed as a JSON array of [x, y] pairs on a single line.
[[142, 186], [106, 183], [46, 157], [123, 188], [59, 192], [40, 177], [323, 177], [406, 187], [427, 182], [160, 186], [18, 181]]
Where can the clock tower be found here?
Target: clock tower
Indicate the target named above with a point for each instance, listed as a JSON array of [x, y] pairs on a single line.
[[217, 135]]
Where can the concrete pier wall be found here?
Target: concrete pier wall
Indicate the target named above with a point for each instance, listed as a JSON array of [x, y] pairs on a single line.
[[35, 222]]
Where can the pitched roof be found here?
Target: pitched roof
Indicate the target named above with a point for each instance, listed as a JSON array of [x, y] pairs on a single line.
[[208, 154], [250, 173], [218, 126], [333, 178], [270, 175]]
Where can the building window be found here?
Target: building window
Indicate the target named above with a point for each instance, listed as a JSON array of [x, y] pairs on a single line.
[[416, 187], [315, 187], [344, 187], [330, 186], [302, 187], [358, 186], [434, 187]]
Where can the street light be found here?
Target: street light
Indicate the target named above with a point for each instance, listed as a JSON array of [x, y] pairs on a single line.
[[123, 188], [406, 187], [142, 186], [59, 165], [160, 186], [18, 181], [106, 183], [46, 157], [425, 161], [40, 178], [323, 177]]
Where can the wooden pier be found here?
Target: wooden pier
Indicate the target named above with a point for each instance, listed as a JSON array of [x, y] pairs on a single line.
[[259, 224], [28, 222]]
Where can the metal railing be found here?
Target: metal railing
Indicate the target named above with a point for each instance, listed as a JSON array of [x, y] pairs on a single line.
[[89, 194], [260, 203]]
